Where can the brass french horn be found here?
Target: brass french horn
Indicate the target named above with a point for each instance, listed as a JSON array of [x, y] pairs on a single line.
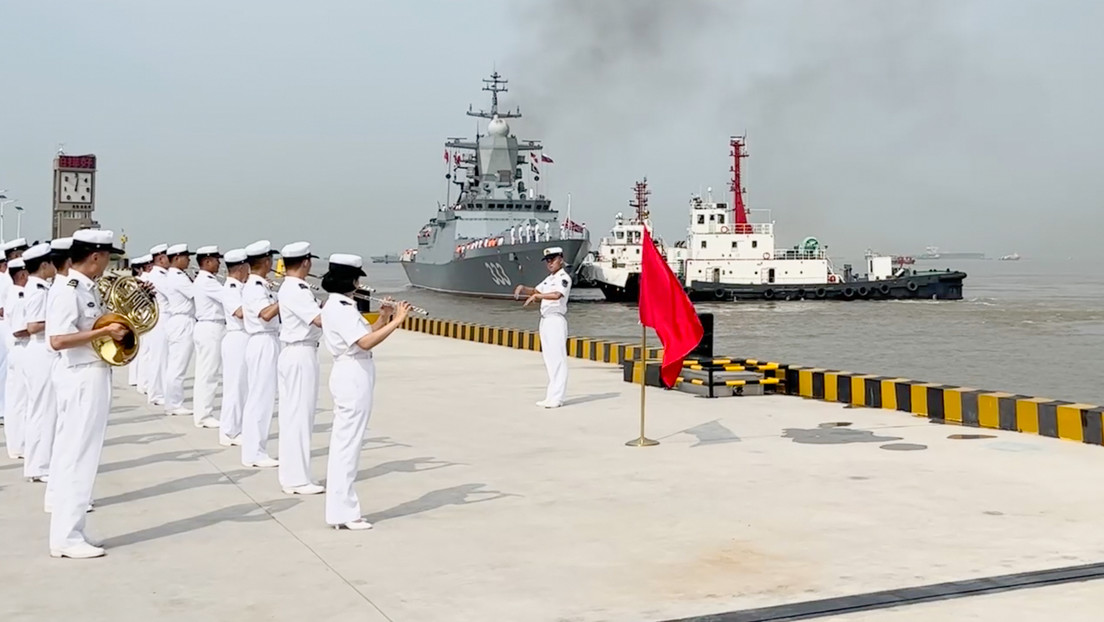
[[129, 304]]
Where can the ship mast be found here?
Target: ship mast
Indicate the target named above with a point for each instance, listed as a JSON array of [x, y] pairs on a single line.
[[739, 210], [640, 200], [495, 85]]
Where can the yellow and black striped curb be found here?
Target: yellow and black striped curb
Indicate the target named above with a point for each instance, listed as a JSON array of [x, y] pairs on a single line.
[[600, 350], [950, 404]]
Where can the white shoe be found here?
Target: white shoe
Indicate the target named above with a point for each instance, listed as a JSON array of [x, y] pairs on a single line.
[[548, 405], [306, 489], [542, 404], [83, 550], [39, 479], [226, 441], [357, 525], [157, 402], [207, 422], [263, 463], [178, 412]]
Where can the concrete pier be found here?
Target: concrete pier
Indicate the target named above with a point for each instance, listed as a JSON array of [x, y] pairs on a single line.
[[487, 507]]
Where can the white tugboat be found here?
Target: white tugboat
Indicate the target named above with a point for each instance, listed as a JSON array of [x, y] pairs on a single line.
[[730, 258], [615, 267]]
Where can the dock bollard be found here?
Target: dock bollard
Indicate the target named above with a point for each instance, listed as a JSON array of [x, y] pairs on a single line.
[[704, 349]]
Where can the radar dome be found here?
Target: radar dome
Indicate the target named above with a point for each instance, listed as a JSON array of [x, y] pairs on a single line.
[[498, 127]]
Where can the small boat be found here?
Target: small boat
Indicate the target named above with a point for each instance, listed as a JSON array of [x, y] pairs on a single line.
[[1012, 257]]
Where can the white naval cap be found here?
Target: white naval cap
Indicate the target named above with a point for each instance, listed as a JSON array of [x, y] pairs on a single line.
[[16, 264], [159, 249], [347, 261], [296, 250], [178, 249], [143, 260], [36, 251], [260, 248], [96, 239], [208, 250], [235, 255], [551, 252], [61, 244], [15, 244]]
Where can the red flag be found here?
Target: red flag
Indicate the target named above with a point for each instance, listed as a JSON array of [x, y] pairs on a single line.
[[666, 308], [446, 156]]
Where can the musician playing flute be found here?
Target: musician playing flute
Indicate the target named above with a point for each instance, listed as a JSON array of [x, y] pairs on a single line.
[[350, 339]]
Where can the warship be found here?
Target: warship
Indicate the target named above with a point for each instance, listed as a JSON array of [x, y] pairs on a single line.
[[492, 237]]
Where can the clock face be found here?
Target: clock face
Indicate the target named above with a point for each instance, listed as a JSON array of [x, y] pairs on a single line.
[[76, 187]]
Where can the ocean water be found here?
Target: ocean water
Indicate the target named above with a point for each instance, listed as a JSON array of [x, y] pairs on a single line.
[[1027, 327]]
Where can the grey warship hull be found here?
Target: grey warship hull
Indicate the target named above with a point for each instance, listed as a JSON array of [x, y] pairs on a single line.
[[493, 272]]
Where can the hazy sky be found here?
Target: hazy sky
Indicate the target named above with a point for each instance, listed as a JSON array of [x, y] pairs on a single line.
[[880, 123]]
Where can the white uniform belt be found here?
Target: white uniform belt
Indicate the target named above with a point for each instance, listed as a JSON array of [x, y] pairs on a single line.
[[218, 321], [182, 313], [350, 357], [305, 342]]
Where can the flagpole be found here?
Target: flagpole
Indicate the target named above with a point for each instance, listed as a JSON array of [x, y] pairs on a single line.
[[643, 441]]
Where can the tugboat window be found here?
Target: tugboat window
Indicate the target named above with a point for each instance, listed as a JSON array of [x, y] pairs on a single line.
[[734, 245], [701, 219], [703, 243], [755, 243], [721, 218]]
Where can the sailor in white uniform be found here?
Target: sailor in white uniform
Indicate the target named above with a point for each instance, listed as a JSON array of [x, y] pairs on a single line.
[[261, 318], [209, 328], [59, 256], [141, 365], [15, 387], [179, 327], [233, 349], [134, 373], [155, 342], [553, 292], [350, 339], [38, 366], [300, 330], [84, 391], [8, 251]]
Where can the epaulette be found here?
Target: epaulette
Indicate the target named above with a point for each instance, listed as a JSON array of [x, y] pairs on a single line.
[[232, 285], [565, 282], [345, 302], [42, 286], [20, 294], [304, 286], [259, 283], [72, 283]]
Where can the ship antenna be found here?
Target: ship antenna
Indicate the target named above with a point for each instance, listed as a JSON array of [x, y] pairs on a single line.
[[640, 200], [495, 85], [739, 210]]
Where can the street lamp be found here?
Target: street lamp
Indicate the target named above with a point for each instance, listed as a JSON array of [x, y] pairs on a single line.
[[19, 221], [4, 200]]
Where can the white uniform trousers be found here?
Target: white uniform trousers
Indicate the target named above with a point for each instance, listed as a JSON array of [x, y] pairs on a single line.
[[180, 342], [3, 365], [261, 352], [234, 386], [15, 394], [84, 399], [298, 389], [38, 370], [132, 370], [352, 383], [154, 369], [208, 367], [553, 337]]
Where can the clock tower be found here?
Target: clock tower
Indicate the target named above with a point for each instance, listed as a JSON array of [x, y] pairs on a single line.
[[74, 194]]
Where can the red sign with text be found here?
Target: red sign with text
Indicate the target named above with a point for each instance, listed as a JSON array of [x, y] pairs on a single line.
[[81, 161]]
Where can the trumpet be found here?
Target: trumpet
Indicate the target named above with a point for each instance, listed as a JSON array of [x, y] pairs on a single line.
[[129, 304]]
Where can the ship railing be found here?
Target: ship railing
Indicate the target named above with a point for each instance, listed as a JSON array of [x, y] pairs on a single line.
[[747, 228], [798, 254]]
